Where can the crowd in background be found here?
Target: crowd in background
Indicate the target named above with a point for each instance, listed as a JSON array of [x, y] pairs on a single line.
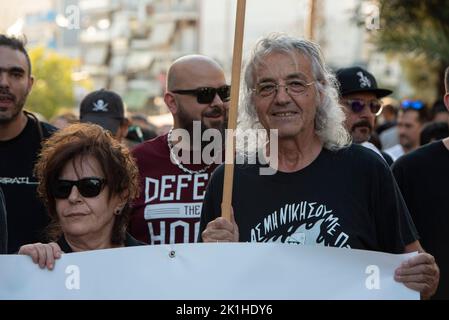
[[107, 178]]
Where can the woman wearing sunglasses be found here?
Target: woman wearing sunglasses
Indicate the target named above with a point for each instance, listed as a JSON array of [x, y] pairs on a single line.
[[87, 181]]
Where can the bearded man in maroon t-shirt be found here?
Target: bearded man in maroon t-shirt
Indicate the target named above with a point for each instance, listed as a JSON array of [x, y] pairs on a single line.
[[173, 171]]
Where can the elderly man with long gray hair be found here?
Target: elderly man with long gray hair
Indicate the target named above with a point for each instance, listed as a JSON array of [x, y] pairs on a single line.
[[326, 191]]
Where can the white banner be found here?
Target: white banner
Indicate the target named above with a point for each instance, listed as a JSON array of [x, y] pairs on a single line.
[[240, 271]]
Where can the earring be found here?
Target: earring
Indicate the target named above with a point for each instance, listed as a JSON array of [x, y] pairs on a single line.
[[117, 212]]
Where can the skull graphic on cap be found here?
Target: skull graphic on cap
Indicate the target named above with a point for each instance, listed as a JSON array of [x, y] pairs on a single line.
[[100, 105]]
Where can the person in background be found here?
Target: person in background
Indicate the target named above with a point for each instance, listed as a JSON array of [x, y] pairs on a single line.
[[389, 114], [360, 96], [434, 131], [64, 120], [105, 108], [21, 135], [388, 130], [139, 130], [412, 117], [422, 176], [87, 180], [439, 112], [148, 129]]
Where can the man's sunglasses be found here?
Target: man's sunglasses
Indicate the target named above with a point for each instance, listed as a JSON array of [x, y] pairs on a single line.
[[412, 104], [358, 105], [206, 95], [87, 187]]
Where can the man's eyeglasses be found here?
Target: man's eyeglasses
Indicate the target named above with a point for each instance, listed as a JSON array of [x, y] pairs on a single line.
[[412, 104], [357, 105], [206, 95], [87, 187], [295, 87]]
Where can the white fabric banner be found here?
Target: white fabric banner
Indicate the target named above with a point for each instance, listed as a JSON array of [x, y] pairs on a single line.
[[224, 271]]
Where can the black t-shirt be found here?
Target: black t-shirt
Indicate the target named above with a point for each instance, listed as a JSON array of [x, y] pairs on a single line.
[[129, 242], [423, 177], [26, 215], [3, 229], [387, 158], [346, 198]]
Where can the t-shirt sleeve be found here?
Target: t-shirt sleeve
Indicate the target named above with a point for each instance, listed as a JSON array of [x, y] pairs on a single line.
[[395, 226], [398, 173], [212, 201]]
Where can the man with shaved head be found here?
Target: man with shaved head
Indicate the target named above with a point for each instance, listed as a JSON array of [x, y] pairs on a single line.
[[197, 91], [172, 189]]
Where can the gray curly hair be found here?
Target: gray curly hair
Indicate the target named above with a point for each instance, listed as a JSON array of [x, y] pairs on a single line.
[[329, 120]]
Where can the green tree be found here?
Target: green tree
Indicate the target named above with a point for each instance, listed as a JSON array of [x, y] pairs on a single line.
[[53, 84], [418, 31]]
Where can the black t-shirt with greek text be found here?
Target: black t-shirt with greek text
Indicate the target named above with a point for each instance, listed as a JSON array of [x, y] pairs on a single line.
[[346, 198]]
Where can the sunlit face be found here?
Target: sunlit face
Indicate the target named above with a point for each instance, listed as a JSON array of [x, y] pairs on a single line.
[[15, 83], [211, 115], [409, 129], [290, 113], [84, 216], [359, 124]]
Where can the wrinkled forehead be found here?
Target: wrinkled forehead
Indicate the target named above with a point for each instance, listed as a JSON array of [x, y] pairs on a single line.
[[282, 66]]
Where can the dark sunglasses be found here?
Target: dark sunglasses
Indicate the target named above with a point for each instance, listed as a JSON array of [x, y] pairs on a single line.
[[87, 187], [207, 94], [412, 104], [358, 105]]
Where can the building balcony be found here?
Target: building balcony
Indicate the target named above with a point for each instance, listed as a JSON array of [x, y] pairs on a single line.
[[90, 7], [175, 16], [92, 35]]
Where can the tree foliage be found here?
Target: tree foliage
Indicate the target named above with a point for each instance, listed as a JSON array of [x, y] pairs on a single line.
[[53, 85], [418, 26], [417, 29]]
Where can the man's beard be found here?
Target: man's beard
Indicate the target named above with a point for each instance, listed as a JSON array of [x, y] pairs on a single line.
[[186, 122], [361, 131], [16, 109], [405, 142]]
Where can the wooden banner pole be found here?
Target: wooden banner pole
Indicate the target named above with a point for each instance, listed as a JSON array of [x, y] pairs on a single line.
[[233, 110]]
